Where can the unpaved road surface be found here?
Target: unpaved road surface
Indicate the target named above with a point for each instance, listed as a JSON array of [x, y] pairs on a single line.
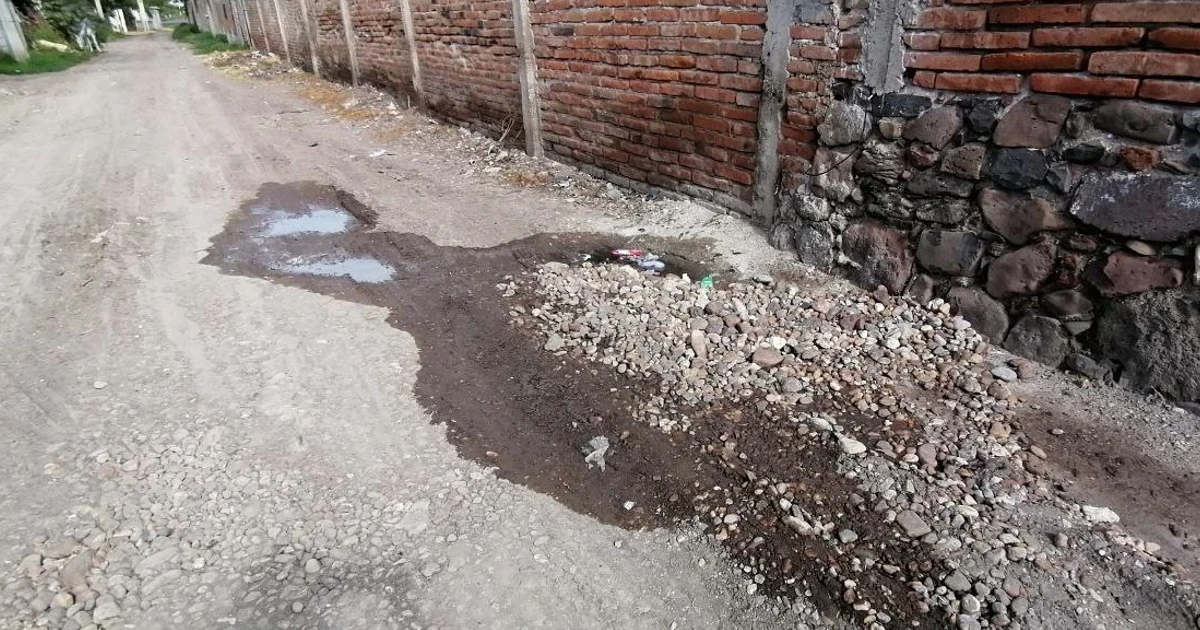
[[188, 443]]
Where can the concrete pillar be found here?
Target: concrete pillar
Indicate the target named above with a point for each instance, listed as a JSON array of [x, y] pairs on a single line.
[[142, 22], [12, 38], [531, 107], [410, 36], [348, 29], [262, 22], [287, 52], [775, 51], [310, 35]]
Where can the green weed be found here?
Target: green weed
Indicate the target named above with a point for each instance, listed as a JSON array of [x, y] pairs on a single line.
[[42, 61], [203, 43]]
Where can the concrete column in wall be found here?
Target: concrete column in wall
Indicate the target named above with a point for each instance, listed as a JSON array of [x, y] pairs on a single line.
[[311, 37], [531, 107], [143, 22], [262, 22], [12, 38], [287, 52], [775, 52], [410, 36], [348, 29]]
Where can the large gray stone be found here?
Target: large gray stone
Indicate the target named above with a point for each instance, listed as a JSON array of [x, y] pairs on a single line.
[[936, 127], [1033, 123], [1018, 216], [950, 253], [986, 315], [834, 179], [1147, 206], [814, 244], [881, 160], [1156, 339], [844, 123], [1137, 120], [881, 255], [1038, 338], [810, 207], [1021, 272]]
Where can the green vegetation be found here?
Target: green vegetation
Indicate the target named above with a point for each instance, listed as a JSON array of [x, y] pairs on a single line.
[[203, 43], [42, 30], [42, 61]]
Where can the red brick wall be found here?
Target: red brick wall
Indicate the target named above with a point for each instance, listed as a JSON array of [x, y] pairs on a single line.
[[468, 61], [383, 55], [1148, 50], [662, 92]]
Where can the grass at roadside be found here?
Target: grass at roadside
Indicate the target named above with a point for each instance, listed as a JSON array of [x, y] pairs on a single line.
[[202, 42], [42, 61]]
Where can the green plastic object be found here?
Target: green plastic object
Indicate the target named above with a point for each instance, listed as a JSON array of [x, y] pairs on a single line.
[[706, 282]]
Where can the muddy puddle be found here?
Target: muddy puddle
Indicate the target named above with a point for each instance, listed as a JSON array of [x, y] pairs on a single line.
[[508, 403]]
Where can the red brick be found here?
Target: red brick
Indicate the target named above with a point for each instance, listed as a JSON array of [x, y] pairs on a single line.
[[1033, 61], [808, 32], [742, 83], [1181, 38], [1044, 14], [819, 52], [947, 19], [1084, 85], [1085, 37], [922, 41], [1159, 12], [1013, 39], [1174, 91], [1155, 64], [985, 1], [941, 61], [925, 79], [715, 94], [744, 17], [997, 83], [677, 61]]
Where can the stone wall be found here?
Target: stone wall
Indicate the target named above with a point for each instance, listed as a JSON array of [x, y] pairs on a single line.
[[1038, 166]]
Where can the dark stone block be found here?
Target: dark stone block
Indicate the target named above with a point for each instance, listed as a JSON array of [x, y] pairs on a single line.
[[930, 184], [900, 105], [936, 127], [1038, 338], [1084, 153], [1156, 338], [986, 315], [950, 253], [1147, 206], [982, 117], [1017, 169]]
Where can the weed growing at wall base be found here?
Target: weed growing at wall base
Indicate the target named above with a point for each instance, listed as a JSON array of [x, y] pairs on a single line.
[[202, 42], [42, 61]]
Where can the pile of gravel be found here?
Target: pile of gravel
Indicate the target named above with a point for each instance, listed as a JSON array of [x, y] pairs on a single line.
[[944, 496]]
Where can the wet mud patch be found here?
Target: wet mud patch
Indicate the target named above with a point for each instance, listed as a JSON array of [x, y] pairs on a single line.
[[530, 411], [505, 401]]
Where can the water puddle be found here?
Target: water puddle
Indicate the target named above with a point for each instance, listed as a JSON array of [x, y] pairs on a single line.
[[324, 221], [357, 269]]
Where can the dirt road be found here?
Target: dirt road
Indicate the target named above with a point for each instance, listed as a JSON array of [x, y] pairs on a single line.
[[186, 446], [262, 440]]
